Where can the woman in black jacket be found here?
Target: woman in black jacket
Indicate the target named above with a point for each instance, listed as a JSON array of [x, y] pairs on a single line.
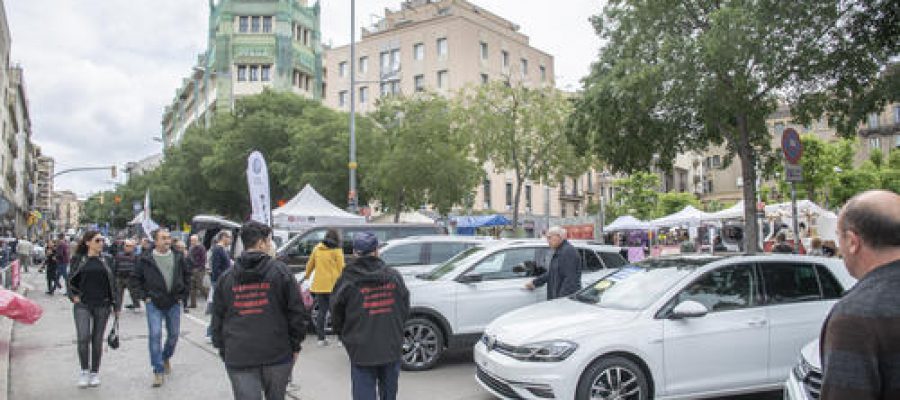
[[92, 286]]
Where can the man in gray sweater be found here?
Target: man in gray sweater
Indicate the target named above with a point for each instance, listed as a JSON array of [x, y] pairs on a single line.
[[860, 342]]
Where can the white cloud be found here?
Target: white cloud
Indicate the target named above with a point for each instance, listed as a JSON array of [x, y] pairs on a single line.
[[98, 73]]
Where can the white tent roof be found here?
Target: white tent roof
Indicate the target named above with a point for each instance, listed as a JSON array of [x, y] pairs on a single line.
[[804, 207], [627, 223], [414, 217], [309, 208], [689, 216], [735, 211]]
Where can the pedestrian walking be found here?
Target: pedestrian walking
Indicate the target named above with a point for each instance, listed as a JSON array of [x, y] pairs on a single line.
[[815, 248], [24, 250], [50, 268], [179, 247], [161, 279], [859, 341], [327, 261], [258, 319], [197, 264], [219, 263], [62, 259], [125, 262], [563, 276], [370, 304], [146, 246], [781, 245], [92, 290]]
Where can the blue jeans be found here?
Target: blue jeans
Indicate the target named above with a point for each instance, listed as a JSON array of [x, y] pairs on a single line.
[[384, 377], [155, 318]]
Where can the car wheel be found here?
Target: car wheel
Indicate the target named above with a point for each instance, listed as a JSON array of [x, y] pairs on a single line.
[[613, 378], [423, 344]]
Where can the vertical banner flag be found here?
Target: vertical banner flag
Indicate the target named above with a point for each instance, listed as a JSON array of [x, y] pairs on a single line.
[[258, 182], [147, 223]]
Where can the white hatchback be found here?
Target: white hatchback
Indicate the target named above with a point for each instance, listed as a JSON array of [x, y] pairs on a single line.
[[668, 328]]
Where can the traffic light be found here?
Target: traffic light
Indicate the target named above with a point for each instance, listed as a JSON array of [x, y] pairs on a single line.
[[113, 170]]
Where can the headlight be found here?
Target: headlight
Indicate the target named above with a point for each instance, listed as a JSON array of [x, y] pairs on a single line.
[[548, 351], [803, 369]]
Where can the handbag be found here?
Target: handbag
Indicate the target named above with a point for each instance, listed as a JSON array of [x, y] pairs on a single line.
[[113, 339]]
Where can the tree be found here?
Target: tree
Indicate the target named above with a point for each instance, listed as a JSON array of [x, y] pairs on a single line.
[[636, 196], [670, 203], [421, 159], [676, 76], [820, 162], [519, 129]]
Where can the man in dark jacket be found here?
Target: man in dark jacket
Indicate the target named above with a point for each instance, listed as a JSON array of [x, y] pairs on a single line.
[[124, 266], [369, 306], [219, 262], [162, 280], [858, 343], [563, 277], [258, 319], [197, 263], [62, 259]]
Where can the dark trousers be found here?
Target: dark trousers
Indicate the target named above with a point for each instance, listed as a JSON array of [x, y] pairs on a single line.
[[323, 301], [52, 279], [197, 286], [383, 377], [90, 325], [251, 383], [121, 284]]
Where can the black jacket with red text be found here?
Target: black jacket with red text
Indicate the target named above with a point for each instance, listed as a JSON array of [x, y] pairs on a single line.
[[369, 306]]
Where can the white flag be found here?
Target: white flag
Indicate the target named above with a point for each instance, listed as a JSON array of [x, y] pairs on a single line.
[[258, 182], [148, 224]]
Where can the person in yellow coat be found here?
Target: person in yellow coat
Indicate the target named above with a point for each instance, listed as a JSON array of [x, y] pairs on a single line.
[[327, 260]]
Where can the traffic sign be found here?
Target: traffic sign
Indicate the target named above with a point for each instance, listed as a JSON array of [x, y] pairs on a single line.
[[793, 173], [791, 146]]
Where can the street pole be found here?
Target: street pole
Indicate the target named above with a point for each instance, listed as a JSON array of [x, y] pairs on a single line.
[[602, 216], [352, 206], [794, 218]]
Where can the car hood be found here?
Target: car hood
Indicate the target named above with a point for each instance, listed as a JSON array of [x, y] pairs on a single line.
[[557, 319], [810, 353]]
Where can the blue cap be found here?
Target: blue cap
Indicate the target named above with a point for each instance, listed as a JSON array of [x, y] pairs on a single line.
[[365, 243]]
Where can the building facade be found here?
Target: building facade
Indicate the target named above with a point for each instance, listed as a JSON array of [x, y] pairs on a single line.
[[67, 211], [253, 45], [43, 177]]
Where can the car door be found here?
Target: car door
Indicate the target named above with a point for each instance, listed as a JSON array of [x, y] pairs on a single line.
[[501, 289], [726, 348], [799, 296]]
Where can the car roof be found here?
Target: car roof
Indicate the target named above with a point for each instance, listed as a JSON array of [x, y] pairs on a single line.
[[440, 238]]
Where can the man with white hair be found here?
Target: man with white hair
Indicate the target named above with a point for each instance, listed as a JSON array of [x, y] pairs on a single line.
[[563, 277]]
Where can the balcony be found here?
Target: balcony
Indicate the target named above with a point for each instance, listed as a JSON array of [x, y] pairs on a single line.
[[571, 196], [883, 130]]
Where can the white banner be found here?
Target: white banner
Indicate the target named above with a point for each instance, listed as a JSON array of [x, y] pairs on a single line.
[[258, 182], [147, 223]]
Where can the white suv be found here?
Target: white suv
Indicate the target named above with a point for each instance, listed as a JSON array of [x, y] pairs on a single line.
[[805, 380], [667, 328], [451, 305], [419, 254]]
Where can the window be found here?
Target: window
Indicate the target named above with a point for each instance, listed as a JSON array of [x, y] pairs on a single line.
[[441, 252], [875, 142], [897, 141], [406, 254], [390, 87], [385, 61], [419, 83], [779, 128], [543, 73], [254, 24], [342, 98], [528, 197], [505, 57], [502, 264], [831, 289], [509, 195], [524, 67], [267, 24], [897, 114], [254, 73], [727, 288], [306, 40], [486, 189], [342, 69], [484, 79], [363, 94], [442, 47], [613, 260], [790, 283], [264, 72], [589, 260], [243, 24], [242, 73], [484, 51], [363, 65], [442, 79], [419, 51], [873, 120], [716, 162], [395, 60]]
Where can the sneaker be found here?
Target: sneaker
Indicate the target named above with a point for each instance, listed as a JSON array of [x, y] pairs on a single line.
[[167, 367], [94, 379], [322, 343], [157, 380], [84, 379]]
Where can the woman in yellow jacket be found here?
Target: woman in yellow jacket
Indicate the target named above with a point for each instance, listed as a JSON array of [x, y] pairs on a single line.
[[327, 260]]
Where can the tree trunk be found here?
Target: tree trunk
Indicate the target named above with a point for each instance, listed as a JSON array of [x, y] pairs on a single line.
[[398, 206], [516, 199], [748, 173]]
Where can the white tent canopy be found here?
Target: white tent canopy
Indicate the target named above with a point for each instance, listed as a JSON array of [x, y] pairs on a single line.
[[414, 217], [689, 216], [733, 212], [627, 223], [309, 208], [804, 207]]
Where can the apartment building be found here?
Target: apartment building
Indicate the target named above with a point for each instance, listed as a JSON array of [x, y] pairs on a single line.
[[66, 211]]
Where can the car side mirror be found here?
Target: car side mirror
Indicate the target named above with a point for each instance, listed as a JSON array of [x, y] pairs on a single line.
[[688, 309], [471, 278]]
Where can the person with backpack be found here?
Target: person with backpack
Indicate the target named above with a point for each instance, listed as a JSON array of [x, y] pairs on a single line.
[[327, 261], [92, 290]]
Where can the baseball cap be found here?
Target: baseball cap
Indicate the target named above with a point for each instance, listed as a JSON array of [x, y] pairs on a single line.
[[364, 242]]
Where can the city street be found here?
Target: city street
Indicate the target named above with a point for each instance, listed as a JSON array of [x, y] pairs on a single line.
[[44, 364]]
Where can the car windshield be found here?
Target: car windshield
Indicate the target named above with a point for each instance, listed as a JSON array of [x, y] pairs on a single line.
[[451, 264], [636, 286]]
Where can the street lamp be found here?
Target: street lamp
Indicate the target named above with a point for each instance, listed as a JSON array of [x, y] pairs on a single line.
[[601, 217], [353, 196]]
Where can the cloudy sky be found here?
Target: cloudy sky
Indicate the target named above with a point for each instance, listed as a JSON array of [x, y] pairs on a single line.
[[98, 73]]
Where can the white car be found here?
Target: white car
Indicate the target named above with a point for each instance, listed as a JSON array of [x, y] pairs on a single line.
[[667, 328], [451, 305], [805, 380], [416, 255]]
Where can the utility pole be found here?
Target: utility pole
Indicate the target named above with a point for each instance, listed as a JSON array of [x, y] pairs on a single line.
[[353, 196]]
